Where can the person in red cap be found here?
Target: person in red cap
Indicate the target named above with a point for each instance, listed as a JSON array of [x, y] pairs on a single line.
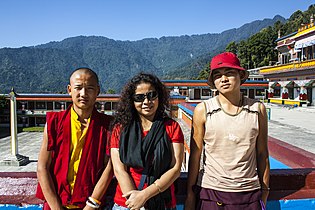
[[231, 132]]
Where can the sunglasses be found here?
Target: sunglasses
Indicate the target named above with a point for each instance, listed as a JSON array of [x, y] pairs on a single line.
[[152, 95]]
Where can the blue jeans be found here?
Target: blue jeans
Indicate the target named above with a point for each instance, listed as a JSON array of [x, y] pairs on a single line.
[[117, 207]]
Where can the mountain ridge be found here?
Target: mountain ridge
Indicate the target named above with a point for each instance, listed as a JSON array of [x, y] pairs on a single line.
[[46, 67]]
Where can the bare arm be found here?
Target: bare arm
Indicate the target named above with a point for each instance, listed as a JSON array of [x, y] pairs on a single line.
[[120, 170], [196, 144], [137, 199], [44, 177], [263, 166], [103, 183]]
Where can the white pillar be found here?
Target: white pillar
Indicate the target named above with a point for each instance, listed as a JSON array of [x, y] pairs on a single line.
[[13, 122], [14, 159]]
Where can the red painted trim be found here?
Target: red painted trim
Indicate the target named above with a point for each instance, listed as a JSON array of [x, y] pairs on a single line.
[[18, 174], [176, 101], [255, 85], [292, 184], [290, 155], [190, 84], [114, 99]]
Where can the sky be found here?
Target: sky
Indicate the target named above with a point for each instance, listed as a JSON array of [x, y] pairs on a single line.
[[34, 22]]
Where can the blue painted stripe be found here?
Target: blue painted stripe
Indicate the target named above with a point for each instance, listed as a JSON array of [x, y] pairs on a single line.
[[298, 204], [276, 164], [14, 207], [188, 111]]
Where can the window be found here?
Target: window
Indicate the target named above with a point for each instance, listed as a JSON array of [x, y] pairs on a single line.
[[98, 105], [21, 120], [67, 105], [183, 92], [31, 105], [108, 106], [50, 105], [244, 92], [114, 104], [58, 105], [206, 92], [276, 92], [310, 53], [286, 58], [40, 120], [40, 105], [22, 105], [4, 119], [260, 92]]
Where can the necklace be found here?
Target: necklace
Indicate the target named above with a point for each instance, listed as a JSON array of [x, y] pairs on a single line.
[[240, 103]]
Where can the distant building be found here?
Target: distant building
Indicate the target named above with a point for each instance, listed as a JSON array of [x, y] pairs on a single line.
[[32, 108], [291, 79], [197, 90]]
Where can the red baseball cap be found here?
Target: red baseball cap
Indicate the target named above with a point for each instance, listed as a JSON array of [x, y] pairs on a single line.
[[225, 60]]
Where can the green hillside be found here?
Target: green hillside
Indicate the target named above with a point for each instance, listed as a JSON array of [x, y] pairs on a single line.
[[46, 67]]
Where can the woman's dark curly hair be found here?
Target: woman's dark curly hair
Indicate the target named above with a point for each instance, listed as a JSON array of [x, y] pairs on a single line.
[[126, 111]]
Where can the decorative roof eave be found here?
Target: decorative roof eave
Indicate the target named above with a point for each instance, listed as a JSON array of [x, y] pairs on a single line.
[[308, 73], [288, 83], [286, 36], [304, 32], [309, 84], [273, 84], [284, 45], [288, 67]]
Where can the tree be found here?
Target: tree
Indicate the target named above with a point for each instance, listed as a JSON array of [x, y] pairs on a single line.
[[110, 91], [204, 73], [232, 47]]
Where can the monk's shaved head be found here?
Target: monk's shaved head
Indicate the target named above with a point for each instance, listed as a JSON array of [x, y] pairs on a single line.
[[85, 71]]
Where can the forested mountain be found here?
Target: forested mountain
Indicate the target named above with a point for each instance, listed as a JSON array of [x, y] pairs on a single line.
[[259, 49], [46, 67]]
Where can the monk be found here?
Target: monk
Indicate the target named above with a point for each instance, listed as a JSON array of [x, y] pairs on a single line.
[[74, 169]]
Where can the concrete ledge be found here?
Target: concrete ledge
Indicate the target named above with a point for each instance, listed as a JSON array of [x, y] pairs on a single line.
[[290, 155], [18, 188], [285, 184]]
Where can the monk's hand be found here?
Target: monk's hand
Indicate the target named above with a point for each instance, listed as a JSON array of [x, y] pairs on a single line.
[[135, 199]]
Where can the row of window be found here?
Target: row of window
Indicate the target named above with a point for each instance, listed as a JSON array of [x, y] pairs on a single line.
[[56, 105], [307, 53]]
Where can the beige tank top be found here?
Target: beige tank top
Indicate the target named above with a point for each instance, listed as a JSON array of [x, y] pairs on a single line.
[[229, 162]]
